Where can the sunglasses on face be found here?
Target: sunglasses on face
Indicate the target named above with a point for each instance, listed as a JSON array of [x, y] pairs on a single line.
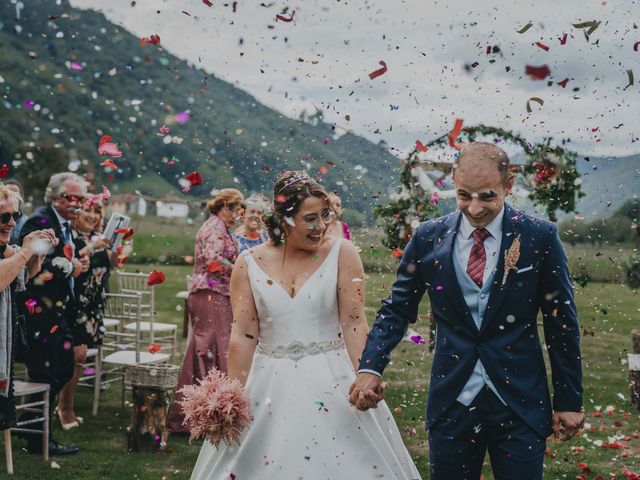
[[6, 217], [72, 198]]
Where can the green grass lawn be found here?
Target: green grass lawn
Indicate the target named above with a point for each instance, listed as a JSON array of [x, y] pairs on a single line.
[[608, 312]]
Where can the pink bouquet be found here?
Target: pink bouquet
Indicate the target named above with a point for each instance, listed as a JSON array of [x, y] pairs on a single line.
[[217, 409]]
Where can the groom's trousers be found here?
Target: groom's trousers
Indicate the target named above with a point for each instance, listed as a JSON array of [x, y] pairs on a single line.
[[459, 440]]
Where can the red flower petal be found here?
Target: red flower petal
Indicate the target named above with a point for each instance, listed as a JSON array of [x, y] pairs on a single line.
[[154, 348], [4, 171], [194, 178], [68, 252], [420, 147], [127, 232], [396, 252], [214, 267], [155, 278], [104, 139], [380, 71], [108, 163], [455, 133]]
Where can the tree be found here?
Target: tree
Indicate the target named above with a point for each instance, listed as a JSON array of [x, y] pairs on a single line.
[[37, 164]]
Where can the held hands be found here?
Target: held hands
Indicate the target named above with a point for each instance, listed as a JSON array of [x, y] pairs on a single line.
[[567, 425], [100, 243], [366, 391]]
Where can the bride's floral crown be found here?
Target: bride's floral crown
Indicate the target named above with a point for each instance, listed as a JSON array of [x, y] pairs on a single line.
[[295, 178]]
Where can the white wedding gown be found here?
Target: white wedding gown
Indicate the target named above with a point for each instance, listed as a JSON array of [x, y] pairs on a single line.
[[304, 426]]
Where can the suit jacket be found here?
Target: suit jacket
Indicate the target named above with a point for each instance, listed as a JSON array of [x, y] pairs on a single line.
[[507, 342], [54, 295]]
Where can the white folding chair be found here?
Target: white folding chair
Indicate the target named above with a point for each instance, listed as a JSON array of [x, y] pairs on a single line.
[[21, 390], [126, 346], [162, 333]]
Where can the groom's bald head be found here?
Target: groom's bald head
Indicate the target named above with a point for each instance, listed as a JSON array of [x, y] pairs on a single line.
[[482, 155]]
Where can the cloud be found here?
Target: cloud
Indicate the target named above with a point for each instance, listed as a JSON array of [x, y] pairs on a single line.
[[324, 56]]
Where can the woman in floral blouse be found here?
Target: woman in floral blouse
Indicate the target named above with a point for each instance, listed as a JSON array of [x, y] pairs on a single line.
[[209, 304]]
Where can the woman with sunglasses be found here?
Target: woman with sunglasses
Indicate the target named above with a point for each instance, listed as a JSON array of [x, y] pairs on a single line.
[[209, 304], [16, 266], [298, 331], [89, 291]]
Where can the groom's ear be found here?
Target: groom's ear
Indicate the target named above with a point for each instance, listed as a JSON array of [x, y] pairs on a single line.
[[509, 186]]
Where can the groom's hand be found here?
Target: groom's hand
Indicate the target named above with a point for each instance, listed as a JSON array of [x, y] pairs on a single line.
[[567, 424], [366, 391]]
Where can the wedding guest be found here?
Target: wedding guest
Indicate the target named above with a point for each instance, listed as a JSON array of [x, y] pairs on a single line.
[[49, 338], [252, 232], [337, 228], [209, 304], [89, 289], [16, 265], [16, 187]]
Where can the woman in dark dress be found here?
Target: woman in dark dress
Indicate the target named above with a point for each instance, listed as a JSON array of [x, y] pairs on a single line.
[[89, 292]]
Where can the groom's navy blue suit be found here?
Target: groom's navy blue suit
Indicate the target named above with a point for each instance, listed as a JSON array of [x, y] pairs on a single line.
[[507, 341]]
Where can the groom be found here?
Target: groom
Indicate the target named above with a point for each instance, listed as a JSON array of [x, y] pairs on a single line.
[[488, 269]]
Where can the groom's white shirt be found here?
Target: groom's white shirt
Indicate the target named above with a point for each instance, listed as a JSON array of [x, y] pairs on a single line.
[[461, 253]]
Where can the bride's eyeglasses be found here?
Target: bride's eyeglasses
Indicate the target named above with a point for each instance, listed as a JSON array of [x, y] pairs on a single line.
[[312, 221]]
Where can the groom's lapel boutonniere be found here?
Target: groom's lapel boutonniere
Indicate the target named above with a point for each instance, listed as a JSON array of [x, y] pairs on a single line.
[[511, 258]]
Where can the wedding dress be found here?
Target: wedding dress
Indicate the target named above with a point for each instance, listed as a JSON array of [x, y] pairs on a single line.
[[304, 426]]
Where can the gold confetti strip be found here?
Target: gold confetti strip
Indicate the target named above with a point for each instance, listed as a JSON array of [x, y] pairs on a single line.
[[630, 75], [592, 25], [538, 100], [526, 27]]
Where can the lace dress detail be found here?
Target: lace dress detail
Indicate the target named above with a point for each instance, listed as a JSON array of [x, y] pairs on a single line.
[[298, 350]]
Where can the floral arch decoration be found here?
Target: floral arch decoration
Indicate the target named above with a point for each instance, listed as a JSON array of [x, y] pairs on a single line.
[[549, 180]]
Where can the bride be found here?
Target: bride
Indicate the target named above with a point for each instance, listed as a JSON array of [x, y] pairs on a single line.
[[299, 329]]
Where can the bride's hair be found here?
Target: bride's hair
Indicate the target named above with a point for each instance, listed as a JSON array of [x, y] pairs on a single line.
[[291, 189]]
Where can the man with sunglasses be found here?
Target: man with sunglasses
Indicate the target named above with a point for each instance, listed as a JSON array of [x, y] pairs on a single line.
[[50, 344]]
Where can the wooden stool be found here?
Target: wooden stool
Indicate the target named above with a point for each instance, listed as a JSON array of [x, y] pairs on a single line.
[[22, 389]]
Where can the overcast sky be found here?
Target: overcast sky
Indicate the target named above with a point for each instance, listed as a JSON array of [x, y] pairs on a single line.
[[323, 58]]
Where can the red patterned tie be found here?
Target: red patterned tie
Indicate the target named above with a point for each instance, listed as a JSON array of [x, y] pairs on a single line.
[[478, 257]]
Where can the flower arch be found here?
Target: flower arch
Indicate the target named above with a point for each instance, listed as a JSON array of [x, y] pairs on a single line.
[[549, 179]]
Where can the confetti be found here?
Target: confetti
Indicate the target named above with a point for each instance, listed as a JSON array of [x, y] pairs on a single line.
[[635, 46], [68, 251], [542, 46], [592, 25], [126, 232], [152, 40], [630, 76], [380, 71], [207, 3], [182, 117], [420, 147], [434, 198], [563, 40], [417, 339], [537, 73], [194, 178], [538, 100], [396, 252], [155, 278], [154, 348], [53, 329], [525, 28], [164, 130], [108, 163], [214, 267], [282, 18], [563, 83], [31, 305], [4, 171], [107, 147], [455, 133]]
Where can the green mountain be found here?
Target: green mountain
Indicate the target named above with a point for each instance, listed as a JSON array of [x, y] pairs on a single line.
[[69, 76]]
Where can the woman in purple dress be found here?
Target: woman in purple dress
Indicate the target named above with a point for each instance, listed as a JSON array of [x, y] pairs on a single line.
[[209, 304]]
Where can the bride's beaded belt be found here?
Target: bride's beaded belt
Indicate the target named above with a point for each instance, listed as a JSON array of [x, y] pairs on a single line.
[[297, 350]]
